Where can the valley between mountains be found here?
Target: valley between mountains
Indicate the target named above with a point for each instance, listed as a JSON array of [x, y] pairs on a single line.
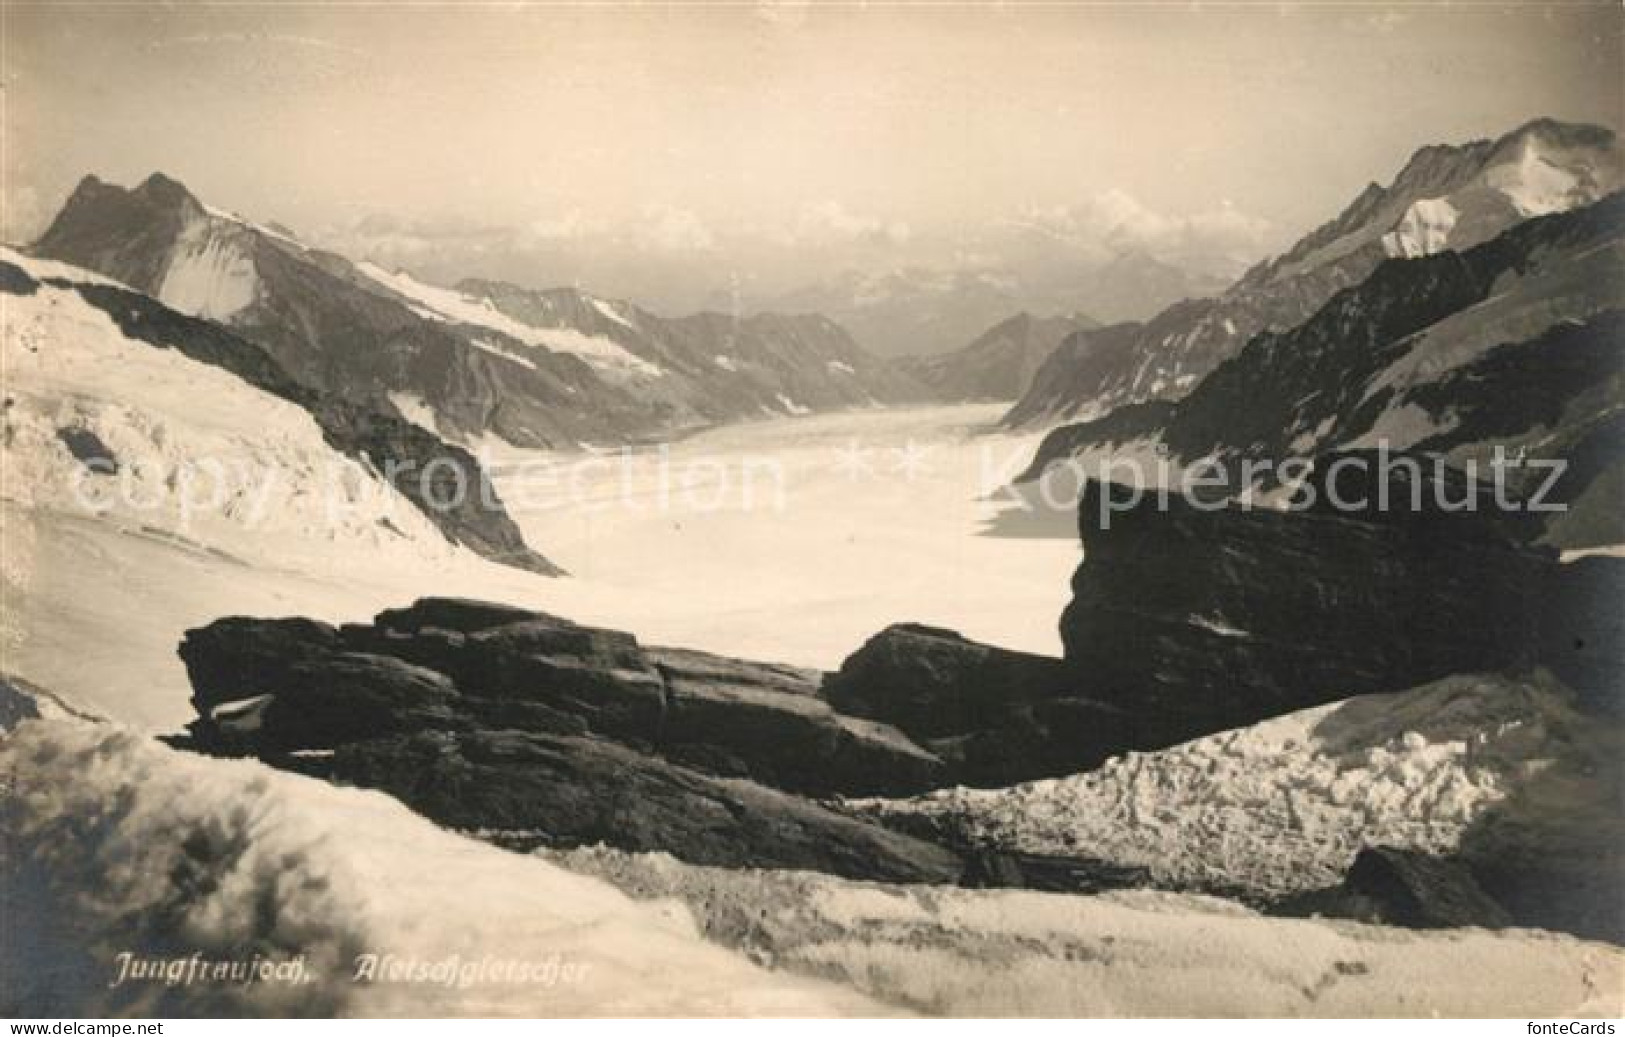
[[753, 654]]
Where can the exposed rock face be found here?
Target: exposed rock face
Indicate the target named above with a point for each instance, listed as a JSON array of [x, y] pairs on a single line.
[[1446, 198], [1000, 363], [498, 719], [1511, 345], [532, 788], [1421, 891], [995, 716], [1392, 886], [1225, 617]]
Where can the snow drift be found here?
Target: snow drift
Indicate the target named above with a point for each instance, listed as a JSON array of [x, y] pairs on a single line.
[[970, 952], [113, 843]]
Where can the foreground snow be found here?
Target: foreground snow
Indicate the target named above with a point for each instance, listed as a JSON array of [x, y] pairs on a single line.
[[1284, 806], [113, 843], [972, 952]]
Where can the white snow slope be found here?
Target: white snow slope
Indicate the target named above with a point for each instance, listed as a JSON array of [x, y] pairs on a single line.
[[113, 843], [946, 951]]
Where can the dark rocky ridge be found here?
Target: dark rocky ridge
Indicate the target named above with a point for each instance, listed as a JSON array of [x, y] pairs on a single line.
[[424, 469], [1165, 357], [1552, 396]]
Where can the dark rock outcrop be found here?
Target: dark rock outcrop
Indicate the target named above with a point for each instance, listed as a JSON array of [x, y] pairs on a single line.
[[528, 789], [88, 449], [1387, 885], [531, 727], [997, 717], [1214, 617]]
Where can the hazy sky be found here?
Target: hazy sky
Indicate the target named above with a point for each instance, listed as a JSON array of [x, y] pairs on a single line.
[[644, 129]]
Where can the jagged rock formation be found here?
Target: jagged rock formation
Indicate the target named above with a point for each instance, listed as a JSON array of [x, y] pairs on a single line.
[[524, 726], [1446, 198], [544, 369], [1000, 363], [444, 482]]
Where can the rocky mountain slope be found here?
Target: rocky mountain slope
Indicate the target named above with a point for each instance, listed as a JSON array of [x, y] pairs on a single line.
[[1445, 198], [1509, 345], [1000, 363], [533, 368]]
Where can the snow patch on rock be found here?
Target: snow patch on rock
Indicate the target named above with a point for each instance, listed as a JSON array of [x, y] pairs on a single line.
[[1423, 230], [210, 272], [445, 304]]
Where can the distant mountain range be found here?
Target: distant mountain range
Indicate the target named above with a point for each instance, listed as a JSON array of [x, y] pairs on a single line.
[[1445, 198], [1000, 363], [916, 311], [535, 368]]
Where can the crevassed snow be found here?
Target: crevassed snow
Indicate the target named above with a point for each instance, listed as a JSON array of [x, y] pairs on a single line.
[[1423, 230], [201, 454], [209, 272], [962, 952], [113, 835], [1284, 805], [446, 304], [226, 501]]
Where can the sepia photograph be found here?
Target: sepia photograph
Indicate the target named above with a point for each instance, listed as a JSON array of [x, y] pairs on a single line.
[[779, 510]]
